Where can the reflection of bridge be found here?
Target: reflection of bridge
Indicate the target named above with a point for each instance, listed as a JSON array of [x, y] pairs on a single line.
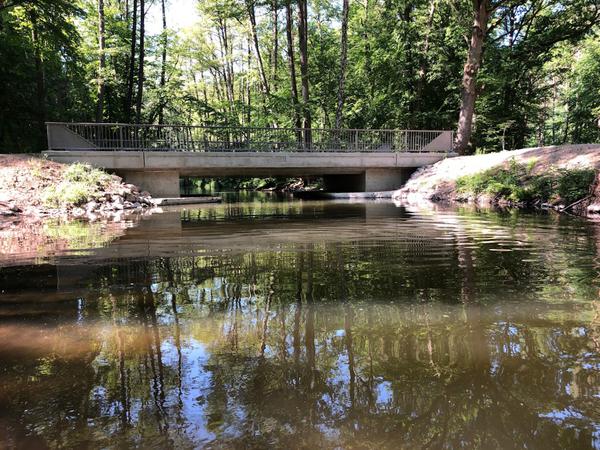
[[154, 156]]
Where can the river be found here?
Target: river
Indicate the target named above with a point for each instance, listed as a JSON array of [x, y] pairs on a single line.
[[269, 322]]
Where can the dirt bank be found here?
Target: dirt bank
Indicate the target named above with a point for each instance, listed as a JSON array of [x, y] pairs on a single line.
[[32, 187], [445, 180]]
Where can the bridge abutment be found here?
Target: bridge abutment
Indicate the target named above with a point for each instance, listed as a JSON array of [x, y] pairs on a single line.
[[371, 180], [160, 183], [377, 180]]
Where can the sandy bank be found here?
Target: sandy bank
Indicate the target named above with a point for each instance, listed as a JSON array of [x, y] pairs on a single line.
[[438, 181]]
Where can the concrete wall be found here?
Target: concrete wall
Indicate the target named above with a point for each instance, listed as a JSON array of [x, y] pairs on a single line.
[[386, 179], [163, 183], [246, 163]]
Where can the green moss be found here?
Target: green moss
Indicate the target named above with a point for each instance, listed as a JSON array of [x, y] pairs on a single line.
[[515, 183]]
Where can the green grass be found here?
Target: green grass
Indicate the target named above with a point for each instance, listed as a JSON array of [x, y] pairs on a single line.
[[80, 183], [515, 183]]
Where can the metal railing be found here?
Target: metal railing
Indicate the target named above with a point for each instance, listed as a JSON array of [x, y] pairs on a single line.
[[127, 137]]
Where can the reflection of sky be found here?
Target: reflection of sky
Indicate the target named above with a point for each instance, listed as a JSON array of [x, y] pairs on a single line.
[[196, 384], [384, 393]]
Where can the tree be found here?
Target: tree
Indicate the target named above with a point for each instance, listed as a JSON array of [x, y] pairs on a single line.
[[526, 32], [142, 55], [101, 62], [163, 66], [343, 63], [303, 46], [482, 9]]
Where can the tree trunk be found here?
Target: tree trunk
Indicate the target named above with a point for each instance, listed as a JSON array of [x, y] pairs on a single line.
[[482, 11], [226, 57], [248, 90], [423, 56], [261, 68], [343, 63], [40, 78], [303, 45], [140, 81], [275, 57], [101, 62], [163, 67], [131, 74], [292, 64]]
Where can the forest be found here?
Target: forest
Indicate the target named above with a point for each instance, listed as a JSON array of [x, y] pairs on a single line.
[[503, 74]]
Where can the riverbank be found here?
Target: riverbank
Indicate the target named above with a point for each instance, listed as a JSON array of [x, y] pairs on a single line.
[[33, 187], [559, 177]]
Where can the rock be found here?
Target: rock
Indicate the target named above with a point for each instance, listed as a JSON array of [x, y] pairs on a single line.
[[78, 212], [127, 205], [594, 208], [91, 206], [145, 194], [131, 198]]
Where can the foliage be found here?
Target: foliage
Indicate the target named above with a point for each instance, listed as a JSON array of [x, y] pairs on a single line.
[[80, 183], [86, 174], [516, 183], [538, 83], [573, 185]]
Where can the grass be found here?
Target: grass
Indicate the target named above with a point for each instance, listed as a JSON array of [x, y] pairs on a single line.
[[80, 183], [516, 184]]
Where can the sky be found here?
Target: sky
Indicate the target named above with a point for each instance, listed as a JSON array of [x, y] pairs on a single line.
[[180, 14]]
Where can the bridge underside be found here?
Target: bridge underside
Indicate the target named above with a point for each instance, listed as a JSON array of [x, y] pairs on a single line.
[[158, 172]]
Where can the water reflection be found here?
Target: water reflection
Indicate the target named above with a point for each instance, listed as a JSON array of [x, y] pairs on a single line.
[[305, 325]]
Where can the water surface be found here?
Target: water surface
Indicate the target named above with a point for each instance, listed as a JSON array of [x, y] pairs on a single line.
[[292, 324]]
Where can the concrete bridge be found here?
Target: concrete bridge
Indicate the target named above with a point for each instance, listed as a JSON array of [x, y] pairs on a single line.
[[155, 156]]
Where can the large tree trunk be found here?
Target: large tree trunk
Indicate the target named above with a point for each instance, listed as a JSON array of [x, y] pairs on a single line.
[[289, 24], [102, 62], [140, 81], [131, 74], [303, 45], [163, 67], [482, 10], [343, 63]]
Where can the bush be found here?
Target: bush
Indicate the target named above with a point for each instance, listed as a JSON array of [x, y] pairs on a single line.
[[68, 193], [80, 183], [84, 173], [516, 184], [574, 184]]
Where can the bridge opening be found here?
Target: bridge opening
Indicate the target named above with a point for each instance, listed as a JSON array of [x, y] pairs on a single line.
[[196, 186]]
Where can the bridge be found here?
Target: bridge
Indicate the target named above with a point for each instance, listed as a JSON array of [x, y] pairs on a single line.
[[155, 156]]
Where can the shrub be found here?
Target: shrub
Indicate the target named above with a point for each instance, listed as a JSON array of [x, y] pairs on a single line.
[[67, 193], [84, 173], [574, 184], [79, 184], [515, 183]]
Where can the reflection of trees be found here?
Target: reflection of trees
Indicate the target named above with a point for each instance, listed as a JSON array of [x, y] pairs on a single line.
[[320, 344]]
